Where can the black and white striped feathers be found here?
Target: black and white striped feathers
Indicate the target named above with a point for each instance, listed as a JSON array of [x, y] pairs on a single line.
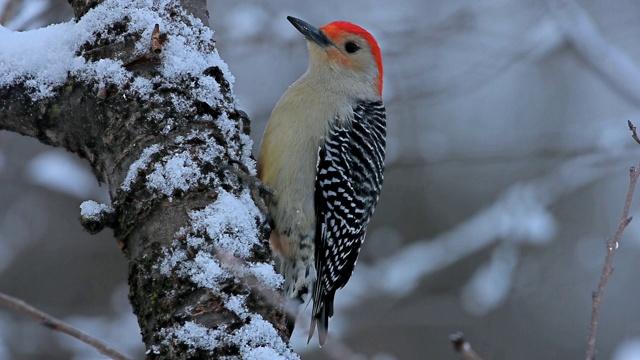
[[348, 181]]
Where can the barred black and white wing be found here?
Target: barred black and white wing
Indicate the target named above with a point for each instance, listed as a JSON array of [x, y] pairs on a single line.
[[348, 182]]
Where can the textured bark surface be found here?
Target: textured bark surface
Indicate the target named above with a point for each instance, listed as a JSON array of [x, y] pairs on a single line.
[[110, 126]]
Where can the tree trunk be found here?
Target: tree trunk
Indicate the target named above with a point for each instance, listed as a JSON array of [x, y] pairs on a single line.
[[154, 114]]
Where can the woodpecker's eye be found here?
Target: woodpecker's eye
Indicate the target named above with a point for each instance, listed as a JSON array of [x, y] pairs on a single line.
[[351, 47]]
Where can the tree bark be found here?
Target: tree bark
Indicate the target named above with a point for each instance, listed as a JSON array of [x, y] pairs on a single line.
[[130, 139]]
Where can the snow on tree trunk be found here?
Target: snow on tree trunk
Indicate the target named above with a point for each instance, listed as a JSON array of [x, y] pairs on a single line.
[[156, 126]]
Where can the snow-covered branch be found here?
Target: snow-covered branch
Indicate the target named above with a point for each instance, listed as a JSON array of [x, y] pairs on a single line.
[[138, 88]]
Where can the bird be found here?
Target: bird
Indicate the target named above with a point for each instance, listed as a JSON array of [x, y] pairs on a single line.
[[322, 156]]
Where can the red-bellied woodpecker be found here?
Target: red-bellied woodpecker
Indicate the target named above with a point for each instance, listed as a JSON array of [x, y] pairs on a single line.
[[322, 155]]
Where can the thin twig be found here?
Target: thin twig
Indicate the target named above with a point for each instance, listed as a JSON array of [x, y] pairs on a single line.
[[607, 269], [634, 133], [463, 347], [59, 325]]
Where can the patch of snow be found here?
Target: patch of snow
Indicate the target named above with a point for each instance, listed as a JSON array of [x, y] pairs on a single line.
[[247, 144], [155, 349], [193, 335], [266, 274], [229, 213], [51, 52], [91, 210], [172, 257], [142, 86], [181, 170], [256, 340], [46, 60], [176, 172], [236, 304], [259, 338], [139, 164], [204, 270], [54, 52], [263, 353]]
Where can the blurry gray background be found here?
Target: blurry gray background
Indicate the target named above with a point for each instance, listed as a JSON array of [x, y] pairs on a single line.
[[508, 158]]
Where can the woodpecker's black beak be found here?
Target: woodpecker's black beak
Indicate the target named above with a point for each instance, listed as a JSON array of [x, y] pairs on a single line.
[[310, 32]]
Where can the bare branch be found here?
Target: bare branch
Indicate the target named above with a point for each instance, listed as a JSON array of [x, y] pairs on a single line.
[[134, 123], [59, 325], [633, 131], [463, 347], [607, 270]]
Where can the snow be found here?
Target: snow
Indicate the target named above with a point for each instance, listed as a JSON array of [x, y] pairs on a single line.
[[177, 172], [51, 52], [91, 210], [55, 52], [172, 258], [155, 349], [217, 221], [259, 340], [229, 129], [247, 144], [266, 274], [228, 227], [205, 270], [47, 59], [236, 303], [139, 164], [229, 214], [181, 169], [256, 340], [194, 335]]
